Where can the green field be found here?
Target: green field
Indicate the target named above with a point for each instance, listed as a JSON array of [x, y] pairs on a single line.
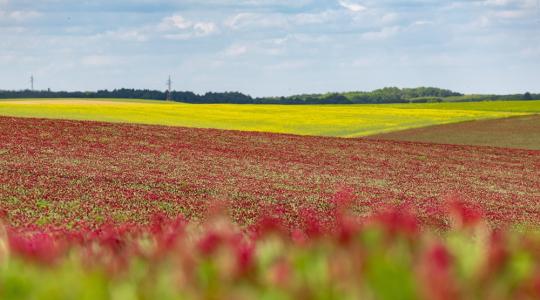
[[324, 120], [507, 106]]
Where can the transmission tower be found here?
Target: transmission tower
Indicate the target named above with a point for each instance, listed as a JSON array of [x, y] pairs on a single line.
[[169, 88], [32, 82]]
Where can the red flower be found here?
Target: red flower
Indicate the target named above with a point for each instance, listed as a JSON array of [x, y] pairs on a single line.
[[464, 214], [209, 243], [436, 275], [244, 257], [40, 247], [398, 221]]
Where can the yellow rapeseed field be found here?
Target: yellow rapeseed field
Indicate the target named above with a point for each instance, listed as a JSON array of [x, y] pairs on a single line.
[[323, 120]]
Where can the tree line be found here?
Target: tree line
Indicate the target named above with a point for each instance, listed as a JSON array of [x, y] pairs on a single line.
[[385, 95]]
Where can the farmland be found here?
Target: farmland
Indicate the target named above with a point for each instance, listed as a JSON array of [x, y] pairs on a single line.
[[515, 132], [317, 120], [120, 211], [508, 106], [269, 150], [98, 171]]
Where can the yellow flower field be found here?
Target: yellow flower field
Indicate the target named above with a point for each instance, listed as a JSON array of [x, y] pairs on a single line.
[[323, 120]]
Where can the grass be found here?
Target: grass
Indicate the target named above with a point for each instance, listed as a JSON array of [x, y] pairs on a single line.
[[323, 120]]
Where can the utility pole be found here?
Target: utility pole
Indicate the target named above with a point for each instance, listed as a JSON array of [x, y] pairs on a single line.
[[32, 82], [169, 88]]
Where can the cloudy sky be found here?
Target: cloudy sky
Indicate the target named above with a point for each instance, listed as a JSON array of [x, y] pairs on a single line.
[[265, 47]]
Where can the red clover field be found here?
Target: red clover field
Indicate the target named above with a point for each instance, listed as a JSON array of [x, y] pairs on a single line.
[[123, 211], [69, 174]]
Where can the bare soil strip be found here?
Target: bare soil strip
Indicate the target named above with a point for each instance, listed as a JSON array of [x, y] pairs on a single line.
[[514, 132]]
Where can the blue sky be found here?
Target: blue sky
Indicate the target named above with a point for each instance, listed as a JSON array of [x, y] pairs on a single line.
[[264, 47]]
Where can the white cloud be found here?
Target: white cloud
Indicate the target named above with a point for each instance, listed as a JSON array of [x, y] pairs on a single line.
[[130, 35], [288, 65], [301, 38], [522, 3], [389, 17], [362, 62], [236, 50], [352, 6], [315, 18], [510, 14], [7, 58], [515, 3], [179, 28], [273, 47], [204, 28], [382, 34], [259, 34], [98, 61], [236, 21], [174, 27], [243, 21], [422, 23], [498, 2], [455, 5], [265, 48], [175, 21], [251, 20], [19, 15], [531, 52]]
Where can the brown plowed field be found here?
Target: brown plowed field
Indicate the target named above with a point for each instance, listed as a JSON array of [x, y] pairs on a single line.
[[515, 132]]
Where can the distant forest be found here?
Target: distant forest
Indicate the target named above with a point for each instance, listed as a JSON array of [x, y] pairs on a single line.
[[385, 95]]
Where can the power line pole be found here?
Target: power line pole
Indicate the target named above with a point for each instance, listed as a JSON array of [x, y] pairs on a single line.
[[169, 88], [32, 82]]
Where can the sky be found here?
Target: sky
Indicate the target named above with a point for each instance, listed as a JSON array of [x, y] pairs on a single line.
[[271, 48]]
